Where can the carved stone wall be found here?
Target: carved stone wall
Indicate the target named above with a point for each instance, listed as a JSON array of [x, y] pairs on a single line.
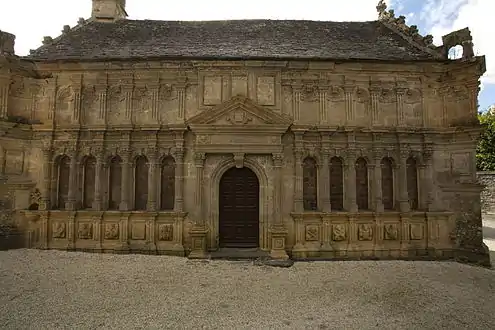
[[114, 129]]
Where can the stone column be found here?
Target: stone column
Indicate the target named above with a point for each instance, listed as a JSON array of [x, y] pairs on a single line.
[[400, 105], [97, 203], [4, 96], [349, 104], [375, 104], [427, 181], [152, 180], [278, 230], [277, 188], [296, 101], [46, 183], [199, 159], [179, 181], [403, 195], [350, 191], [199, 231], [298, 163], [125, 184], [377, 184], [181, 96], [324, 181], [322, 96], [70, 205]]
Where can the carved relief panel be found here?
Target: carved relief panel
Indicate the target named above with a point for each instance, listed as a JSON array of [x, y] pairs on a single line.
[[90, 105], [387, 112], [265, 90], [336, 106], [64, 105], [22, 98], [362, 107], [412, 108], [14, 162], [239, 84], [212, 90]]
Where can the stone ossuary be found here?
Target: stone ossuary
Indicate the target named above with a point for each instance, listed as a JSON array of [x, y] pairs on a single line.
[[303, 139]]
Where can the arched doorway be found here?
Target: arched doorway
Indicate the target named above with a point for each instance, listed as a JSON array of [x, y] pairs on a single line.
[[239, 209]]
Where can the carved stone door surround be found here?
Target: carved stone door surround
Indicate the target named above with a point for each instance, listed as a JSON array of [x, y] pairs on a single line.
[[238, 127]]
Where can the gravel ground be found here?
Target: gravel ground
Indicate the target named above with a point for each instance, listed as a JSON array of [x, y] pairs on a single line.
[[62, 290]]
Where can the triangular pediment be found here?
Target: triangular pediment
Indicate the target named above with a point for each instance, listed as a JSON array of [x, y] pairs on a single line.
[[239, 110]]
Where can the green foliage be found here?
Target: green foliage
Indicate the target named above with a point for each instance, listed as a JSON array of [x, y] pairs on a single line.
[[485, 153]]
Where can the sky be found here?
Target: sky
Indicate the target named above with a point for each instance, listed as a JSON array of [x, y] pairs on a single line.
[[31, 20]]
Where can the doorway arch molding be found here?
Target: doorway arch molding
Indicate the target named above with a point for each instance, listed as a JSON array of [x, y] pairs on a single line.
[[213, 212]]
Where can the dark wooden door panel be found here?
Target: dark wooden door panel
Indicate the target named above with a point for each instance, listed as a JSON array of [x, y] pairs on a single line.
[[239, 208]]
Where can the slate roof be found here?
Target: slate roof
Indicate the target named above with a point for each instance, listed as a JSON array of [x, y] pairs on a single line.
[[231, 39]]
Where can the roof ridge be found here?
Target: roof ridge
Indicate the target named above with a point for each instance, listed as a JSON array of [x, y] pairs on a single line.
[[48, 40], [409, 33]]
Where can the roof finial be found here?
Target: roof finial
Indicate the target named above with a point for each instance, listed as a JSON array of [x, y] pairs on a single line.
[[381, 8]]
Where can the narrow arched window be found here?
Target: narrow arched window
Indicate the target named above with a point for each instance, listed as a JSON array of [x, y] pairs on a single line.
[[362, 184], [115, 183], [63, 178], [412, 182], [336, 184], [387, 183], [141, 183], [167, 191], [310, 194], [89, 173]]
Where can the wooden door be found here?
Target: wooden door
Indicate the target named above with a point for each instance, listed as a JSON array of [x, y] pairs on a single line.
[[239, 209]]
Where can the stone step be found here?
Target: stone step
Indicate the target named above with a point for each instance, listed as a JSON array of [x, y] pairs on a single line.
[[239, 254]]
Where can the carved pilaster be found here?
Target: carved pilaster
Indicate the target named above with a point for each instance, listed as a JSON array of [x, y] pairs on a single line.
[[179, 180], [70, 205], [298, 163], [102, 96], [125, 153], [377, 182], [2, 161], [100, 156], [324, 179], [277, 188], [278, 230], [199, 160], [152, 179], [46, 183], [403, 195], [298, 250], [181, 95], [427, 180], [76, 111], [4, 97], [155, 100], [400, 91], [349, 103], [375, 104], [350, 174], [322, 93], [128, 90], [296, 101]]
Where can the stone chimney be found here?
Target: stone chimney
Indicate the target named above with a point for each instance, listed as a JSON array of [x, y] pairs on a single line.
[[7, 41], [108, 10]]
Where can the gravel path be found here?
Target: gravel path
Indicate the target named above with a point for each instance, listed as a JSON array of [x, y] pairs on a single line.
[[60, 290]]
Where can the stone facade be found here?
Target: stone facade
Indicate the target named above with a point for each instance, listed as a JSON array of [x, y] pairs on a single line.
[[488, 194], [354, 159]]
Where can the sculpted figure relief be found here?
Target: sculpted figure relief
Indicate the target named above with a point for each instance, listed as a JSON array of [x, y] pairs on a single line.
[[112, 231], [58, 230]]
